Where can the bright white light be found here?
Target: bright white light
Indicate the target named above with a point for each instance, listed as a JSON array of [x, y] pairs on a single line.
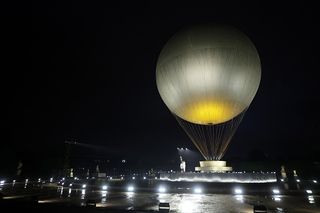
[[281, 180], [309, 191], [13, 181], [144, 178], [39, 179], [130, 189], [133, 178], [1, 182], [197, 190], [104, 193], [315, 181], [110, 178], [62, 184], [162, 189], [63, 178], [156, 178], [83, 191], [298, 180], [275, 191], [104, 187], [51, 179], [70, 191], [238, 191], [27, 180], [84, 186], [70, 184]]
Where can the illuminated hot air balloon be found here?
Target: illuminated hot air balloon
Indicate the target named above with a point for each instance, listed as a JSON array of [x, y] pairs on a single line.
[[208, 76]]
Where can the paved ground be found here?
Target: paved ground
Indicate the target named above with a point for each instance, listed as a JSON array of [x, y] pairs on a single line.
[[65, 198]]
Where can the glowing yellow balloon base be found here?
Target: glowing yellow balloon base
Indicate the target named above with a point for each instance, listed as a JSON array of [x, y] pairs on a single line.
[[209, 112], [213, 166]]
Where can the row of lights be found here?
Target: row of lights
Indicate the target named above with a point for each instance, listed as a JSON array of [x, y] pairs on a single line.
[[186, 149], [161, 189]]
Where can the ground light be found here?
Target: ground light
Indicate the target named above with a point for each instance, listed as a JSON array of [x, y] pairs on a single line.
[[162, 189], [275, 191], [104, 187], [197, 190], [130, 188], [238, 191]]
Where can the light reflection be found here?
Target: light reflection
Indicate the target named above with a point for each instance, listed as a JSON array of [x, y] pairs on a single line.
[[277, 198], [130, 194], [103, 200], [239, 198], [104, 193], [83, 193], [190, 204], [69, 193], [61, 191], [311, 199]]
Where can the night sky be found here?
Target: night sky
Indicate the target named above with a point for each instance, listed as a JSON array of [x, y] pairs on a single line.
[[87, 72]]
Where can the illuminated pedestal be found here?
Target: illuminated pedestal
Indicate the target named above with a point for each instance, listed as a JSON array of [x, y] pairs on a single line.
[[213, 166]]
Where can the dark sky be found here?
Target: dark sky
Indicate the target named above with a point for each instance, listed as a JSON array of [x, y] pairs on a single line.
[[87, 71]]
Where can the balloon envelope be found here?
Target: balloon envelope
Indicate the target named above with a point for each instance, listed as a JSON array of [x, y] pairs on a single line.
[[209, 74]]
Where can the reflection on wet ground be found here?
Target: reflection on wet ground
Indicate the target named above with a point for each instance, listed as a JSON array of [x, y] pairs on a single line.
[[179, 202]]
